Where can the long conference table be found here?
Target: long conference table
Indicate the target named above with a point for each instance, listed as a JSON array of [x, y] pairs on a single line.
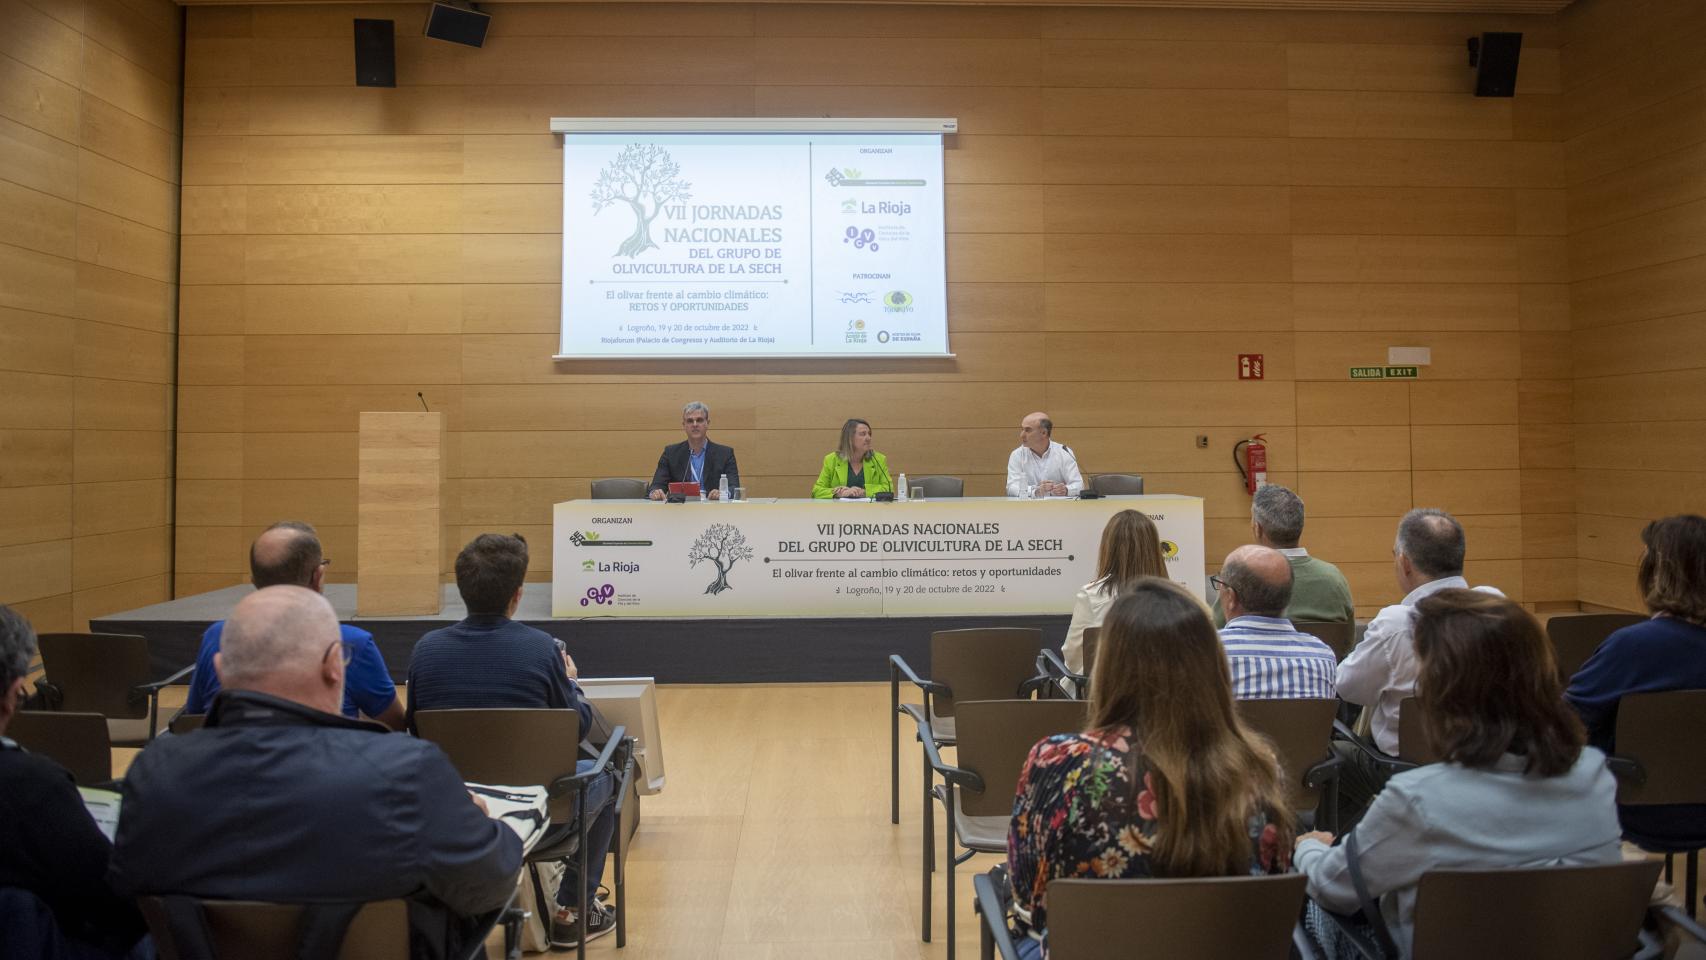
[[972, 556]]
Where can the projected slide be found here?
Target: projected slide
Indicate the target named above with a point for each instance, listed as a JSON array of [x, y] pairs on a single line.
[[752, 245]]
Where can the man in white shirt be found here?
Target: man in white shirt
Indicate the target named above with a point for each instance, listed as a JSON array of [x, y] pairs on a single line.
[[1381, 671], [1041, 467]]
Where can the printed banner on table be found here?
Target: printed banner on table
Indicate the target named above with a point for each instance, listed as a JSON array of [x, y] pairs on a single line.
[[820, 558]]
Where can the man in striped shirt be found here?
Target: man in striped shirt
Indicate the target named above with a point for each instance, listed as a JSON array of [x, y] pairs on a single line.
[[1270, 659]]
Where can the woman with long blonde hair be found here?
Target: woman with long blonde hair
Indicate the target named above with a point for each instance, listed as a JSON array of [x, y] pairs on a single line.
[[1131, 550], [1165, 782]]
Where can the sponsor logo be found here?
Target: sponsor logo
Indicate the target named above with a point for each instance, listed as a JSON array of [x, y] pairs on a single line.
[[849, 206], [855, 336], [882, 336], [590, 538], [856, 296], [897, 301], [599, 595], [587, 566], [865, 239], [849, 177], [619, 566], [855, 324], [899, 336], [882, 208], [1169, 550]]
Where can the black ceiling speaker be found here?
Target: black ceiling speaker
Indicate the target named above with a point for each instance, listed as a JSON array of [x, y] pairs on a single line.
[[1494, 56], [458, 24], [375, 53]]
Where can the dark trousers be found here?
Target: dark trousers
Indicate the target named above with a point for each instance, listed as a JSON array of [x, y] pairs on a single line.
[[600, 797]]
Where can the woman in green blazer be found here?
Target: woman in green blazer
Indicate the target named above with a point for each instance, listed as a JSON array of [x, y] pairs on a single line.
[[854, 469]]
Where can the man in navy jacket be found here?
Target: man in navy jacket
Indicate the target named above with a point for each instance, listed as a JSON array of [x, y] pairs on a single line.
[[281, 798], [696, 459]]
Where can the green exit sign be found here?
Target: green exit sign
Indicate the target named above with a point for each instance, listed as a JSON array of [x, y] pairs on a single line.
[[1384, 373]]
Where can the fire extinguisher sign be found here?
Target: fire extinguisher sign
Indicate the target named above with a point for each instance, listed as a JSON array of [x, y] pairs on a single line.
[[1249, 366]]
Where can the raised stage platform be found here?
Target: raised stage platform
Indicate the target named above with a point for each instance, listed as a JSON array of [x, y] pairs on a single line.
[[711, 650]]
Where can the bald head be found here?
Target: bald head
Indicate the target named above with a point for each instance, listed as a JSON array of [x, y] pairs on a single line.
[[1258, 582], [1035, 431], [288, 552], [280, 640]]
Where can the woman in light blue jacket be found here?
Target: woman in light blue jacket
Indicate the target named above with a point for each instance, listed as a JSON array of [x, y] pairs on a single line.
[[854, 470], [1516, 786]]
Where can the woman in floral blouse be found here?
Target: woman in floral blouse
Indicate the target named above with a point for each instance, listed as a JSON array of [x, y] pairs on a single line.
[[1164, 746]]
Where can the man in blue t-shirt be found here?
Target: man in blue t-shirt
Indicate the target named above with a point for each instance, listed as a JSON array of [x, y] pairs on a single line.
[[288, 553]]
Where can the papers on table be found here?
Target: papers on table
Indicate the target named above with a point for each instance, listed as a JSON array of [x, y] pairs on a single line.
[[522, 809]]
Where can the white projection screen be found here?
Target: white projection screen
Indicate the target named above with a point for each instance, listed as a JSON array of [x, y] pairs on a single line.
[[750, 238]]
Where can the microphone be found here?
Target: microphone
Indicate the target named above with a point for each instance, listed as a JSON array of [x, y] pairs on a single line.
[[423, 401]]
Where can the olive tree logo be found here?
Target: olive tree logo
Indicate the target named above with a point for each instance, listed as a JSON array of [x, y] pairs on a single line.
[[645, 178], [722, 545]]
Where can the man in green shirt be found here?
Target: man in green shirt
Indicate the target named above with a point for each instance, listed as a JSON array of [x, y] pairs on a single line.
[[1319, 590]]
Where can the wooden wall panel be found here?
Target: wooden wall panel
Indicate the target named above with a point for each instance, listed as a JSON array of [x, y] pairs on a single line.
[[1136, 197], [88, 305], [1635, 116]]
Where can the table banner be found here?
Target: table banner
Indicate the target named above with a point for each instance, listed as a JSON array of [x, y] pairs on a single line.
[[822, 558]]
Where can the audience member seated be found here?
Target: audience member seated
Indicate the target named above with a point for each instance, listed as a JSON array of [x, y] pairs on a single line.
[[288, 553], [1164, 743], [490, 661], [1667, 652], [55, 858], [1270, 659], [280, 798], [1381, 670], [1515, 787], [1318, 589], [1130, 551]]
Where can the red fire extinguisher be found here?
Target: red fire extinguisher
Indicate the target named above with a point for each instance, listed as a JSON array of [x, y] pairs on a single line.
[[1253, 465]]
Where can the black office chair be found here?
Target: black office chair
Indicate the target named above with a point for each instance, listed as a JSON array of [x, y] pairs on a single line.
[[618, 488]]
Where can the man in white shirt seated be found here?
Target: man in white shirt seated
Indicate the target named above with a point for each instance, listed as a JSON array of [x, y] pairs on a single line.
[[1381, 671], [1042, 467], [1270, 659]]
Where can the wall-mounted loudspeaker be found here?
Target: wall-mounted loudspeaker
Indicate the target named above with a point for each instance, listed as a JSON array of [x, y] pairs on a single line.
[[375, 53], [1494, 56], [457, 24]]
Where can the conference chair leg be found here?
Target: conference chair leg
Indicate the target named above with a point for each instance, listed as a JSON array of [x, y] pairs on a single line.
[[927, 856], [948, 865], [894, 745], [621, 891], [581, 855], [1691, 885]]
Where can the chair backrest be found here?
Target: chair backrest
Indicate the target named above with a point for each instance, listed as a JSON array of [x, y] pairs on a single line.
[[1575, 637], [992, 738], [186, 723], [1117, 484], [1662, 731], [1413, 743], [1300, 731], [1205, 918], [247, 930], [1594, 913], [982, 663], [632, 702], [98, 672], [939, 487], [510, 747], [76, 741], [618, 488], [1338, 634], [1092, 637]]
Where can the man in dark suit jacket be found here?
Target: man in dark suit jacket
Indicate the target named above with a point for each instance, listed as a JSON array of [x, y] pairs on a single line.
[[696, 459]]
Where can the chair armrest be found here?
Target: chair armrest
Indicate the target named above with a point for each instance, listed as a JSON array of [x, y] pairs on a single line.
[[898, 667], [1627, 770], [578, 781], [958, 776], [1051, 666], [994, 916], [625, 763], [1369, 750], [153, 689], [1324, 772]]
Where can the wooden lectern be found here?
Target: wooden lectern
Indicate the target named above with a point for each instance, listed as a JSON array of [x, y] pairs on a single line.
[[399, 512]]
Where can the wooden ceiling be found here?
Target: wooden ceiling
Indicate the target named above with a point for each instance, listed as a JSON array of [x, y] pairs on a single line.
[[1539, 7]]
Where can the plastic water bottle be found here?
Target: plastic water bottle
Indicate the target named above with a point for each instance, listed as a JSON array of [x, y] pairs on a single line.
[[723, 488], [901, 493]]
